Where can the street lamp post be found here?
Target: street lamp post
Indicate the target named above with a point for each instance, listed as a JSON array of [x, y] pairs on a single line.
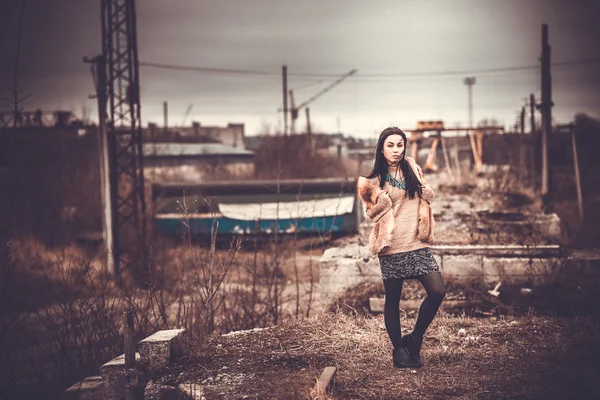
[[470, 81]]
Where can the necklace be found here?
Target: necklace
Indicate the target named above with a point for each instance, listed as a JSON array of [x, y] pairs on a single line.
[[398, 183]]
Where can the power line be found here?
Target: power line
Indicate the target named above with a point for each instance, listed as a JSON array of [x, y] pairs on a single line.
[[523, 68], [228, 71], [206, 69]]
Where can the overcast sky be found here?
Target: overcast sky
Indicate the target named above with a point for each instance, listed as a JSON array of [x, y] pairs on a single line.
[[401, 49]]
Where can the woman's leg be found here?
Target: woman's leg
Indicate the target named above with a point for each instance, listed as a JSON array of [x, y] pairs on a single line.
[[434, 286], [391, 316]]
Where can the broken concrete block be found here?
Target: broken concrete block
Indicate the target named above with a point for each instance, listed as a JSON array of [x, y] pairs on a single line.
[[191, 391], [157, 349], [156, 391], [518, 270], [463, 268], [438, 259], [121, 383], [549, 226], [540, 270], [91, 388]]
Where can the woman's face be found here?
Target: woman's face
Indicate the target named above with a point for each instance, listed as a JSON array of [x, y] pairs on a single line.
[[393, 149]]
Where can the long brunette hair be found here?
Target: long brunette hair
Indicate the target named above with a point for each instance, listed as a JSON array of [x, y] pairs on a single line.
[[380, 168]]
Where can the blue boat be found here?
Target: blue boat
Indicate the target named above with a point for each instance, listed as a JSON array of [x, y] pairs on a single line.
[[321, 206]]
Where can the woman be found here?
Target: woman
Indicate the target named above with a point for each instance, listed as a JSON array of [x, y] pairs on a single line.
[[397, 198]]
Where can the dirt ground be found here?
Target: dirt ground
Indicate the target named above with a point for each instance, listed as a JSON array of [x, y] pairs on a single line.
[[534, 347], [527, 357], [493, 353]]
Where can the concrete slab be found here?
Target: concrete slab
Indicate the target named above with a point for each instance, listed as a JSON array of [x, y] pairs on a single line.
[[352, 250], [376, 304], [116, 363], [156, 350], [498, 250], [349, 266], [329, 291], [463, 268], [91, 388]]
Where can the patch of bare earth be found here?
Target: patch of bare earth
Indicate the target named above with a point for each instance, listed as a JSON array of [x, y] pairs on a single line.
[[527, 357]]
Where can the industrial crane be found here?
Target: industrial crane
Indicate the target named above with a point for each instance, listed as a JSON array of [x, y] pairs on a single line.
[[187, 114], [295, 109]]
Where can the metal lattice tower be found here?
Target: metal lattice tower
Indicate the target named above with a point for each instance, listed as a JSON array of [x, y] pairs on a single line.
[[124, 133]]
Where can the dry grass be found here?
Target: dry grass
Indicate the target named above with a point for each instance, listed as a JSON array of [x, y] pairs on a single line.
[[466, 358], [60, 315]]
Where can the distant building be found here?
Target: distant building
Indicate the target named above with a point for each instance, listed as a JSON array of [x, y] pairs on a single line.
[[39, 118], [196, 162], [231, 135]]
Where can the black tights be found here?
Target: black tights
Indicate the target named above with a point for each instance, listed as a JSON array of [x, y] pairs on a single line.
[[434, 286]]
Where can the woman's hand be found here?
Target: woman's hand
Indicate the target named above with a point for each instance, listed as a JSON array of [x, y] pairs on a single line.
[[382, 205], [427, 193]]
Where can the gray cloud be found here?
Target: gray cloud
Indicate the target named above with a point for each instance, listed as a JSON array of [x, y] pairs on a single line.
[[377, 37]]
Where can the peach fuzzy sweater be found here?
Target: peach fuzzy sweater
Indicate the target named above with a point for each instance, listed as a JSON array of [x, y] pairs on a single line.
[[406, 220], [402, 225]]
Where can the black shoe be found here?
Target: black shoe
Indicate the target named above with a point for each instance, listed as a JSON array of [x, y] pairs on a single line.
[[413, 345], [403, 360]]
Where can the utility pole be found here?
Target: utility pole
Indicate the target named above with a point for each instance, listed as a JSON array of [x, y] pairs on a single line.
[[311, 144], [293, 112], [533, 165], [522, 148], [546, 110], [166, 118], [532, 113], [99, 65], [285, 104], [470, 81], [522, 121], [124, 133]]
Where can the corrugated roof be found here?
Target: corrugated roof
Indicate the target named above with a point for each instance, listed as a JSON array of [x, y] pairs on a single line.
[[192, 149]]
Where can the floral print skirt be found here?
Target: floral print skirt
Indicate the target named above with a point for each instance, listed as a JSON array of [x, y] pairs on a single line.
[[410, 264]]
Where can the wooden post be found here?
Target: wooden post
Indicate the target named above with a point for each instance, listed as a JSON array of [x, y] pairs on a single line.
[[129, 339], [414, 149], [431, 157], [476, 157], [456, 160], [323, 382], [577, 176], [479, 137], [446, 157]]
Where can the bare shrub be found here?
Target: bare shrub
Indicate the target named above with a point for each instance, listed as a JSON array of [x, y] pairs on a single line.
[[299, 162]]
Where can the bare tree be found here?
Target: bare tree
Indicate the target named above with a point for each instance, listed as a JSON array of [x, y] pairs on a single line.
[[15, 100]]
